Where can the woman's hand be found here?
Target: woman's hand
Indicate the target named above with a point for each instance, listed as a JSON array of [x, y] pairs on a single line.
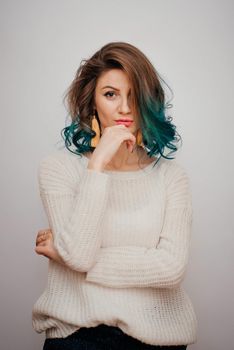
[[45, 246], [110, 141]]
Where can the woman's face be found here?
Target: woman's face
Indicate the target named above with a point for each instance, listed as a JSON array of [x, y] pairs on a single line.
[[112, 98]]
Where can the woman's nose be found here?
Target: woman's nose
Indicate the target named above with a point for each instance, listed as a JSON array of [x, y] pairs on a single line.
[[124, 106]]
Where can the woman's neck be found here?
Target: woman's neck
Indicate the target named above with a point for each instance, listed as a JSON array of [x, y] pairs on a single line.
[[124, 159]]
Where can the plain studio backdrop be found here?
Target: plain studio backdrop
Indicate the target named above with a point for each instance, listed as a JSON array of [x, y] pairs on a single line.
[[191, 45]]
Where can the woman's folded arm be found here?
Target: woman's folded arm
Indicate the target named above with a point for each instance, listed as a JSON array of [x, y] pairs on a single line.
[[162, 266], [75, 209]]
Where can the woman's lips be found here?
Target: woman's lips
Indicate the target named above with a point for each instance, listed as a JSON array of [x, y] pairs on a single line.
[[124, 122]]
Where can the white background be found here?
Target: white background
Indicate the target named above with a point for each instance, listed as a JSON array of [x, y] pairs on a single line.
[[191, 44]]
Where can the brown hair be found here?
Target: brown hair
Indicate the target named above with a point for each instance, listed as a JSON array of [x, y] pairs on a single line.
[[141, 73], [147, 97]]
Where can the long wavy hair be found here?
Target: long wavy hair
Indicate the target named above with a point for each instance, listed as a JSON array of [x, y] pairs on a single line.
[[147, 100]]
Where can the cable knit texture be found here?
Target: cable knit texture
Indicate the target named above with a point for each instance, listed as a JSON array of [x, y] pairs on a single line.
[[125, 238]]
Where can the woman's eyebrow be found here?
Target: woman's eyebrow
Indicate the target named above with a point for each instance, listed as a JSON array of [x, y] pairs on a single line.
[[112, 87]]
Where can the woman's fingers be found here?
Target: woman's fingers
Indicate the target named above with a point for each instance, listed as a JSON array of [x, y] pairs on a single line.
[[43, 232], [43, 235], [130, 146], [48, 252], [41, 239], [45, 246]]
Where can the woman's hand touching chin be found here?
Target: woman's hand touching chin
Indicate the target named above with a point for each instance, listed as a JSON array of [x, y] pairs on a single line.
[[45, 246]]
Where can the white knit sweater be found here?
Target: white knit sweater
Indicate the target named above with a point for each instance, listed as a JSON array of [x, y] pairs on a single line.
[[125, 239]]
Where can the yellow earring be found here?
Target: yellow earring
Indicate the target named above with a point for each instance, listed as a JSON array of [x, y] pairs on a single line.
[[139, 138], [95, 127]]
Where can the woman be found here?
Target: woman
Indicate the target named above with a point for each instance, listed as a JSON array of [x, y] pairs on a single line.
[[120, 215]]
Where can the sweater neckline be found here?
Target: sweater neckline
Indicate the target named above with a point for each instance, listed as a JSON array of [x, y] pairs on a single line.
[[129, 173]]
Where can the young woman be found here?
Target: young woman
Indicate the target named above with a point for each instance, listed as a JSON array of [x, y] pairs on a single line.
[[120, 215]]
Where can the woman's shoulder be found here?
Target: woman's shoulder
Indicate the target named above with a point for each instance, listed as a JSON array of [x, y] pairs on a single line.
[[173, 169], [171, 165], [62, 156], [60, 166], [62, 159]]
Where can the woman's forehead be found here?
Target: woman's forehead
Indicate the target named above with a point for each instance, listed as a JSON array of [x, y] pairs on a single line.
[[116, 78]]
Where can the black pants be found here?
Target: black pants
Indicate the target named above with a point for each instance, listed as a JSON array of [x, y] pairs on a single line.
[[102, 337]]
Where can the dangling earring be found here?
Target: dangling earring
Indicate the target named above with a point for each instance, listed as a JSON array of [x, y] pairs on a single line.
[[139, 138], [95, 127]]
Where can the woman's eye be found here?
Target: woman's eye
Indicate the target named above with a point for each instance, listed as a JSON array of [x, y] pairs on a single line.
[[109, 93]]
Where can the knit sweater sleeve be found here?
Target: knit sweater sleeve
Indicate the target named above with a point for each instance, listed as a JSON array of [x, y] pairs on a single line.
[[74, 204], [162, 266]]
